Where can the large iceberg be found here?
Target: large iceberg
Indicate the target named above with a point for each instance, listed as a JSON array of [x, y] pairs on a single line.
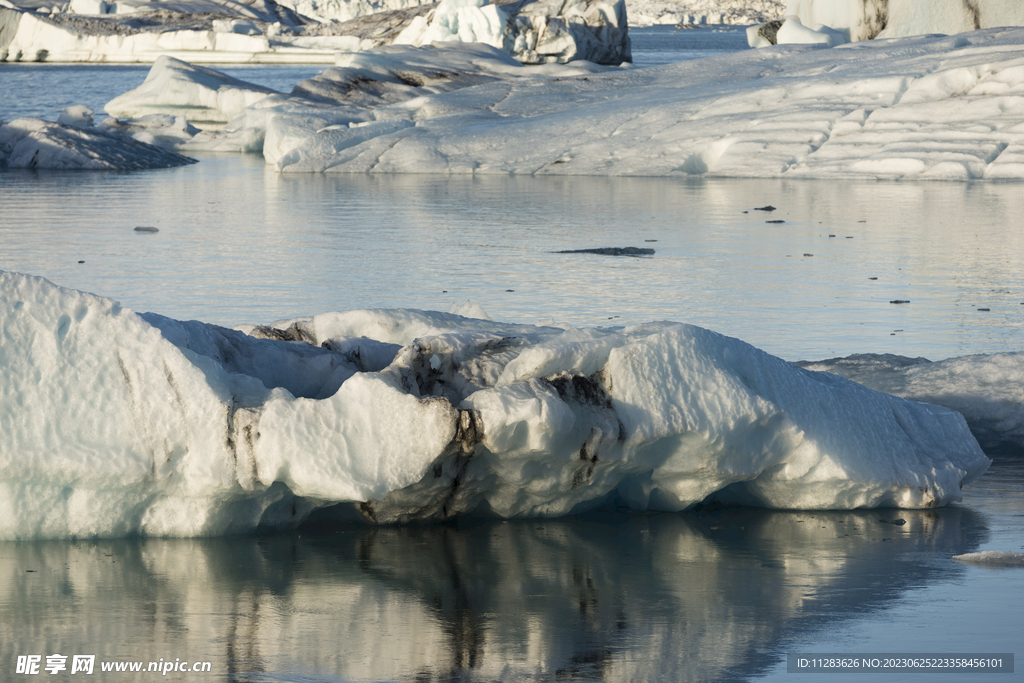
[[933, 107], [116, 423]]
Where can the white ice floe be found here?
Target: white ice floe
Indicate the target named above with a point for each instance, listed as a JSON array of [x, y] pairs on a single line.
[[199, 94], [466, 21], [36, 144], [116, 423], [793, 32], [988, 390], [993, 558], [932, 107]]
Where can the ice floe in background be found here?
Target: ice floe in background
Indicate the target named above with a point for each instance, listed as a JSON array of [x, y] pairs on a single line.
[[988, 390], [933, 107], [117, 423], [224, 31]]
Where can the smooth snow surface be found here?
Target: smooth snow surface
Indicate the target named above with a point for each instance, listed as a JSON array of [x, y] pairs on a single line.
[[993, 558], [117, 423], [946, 108]]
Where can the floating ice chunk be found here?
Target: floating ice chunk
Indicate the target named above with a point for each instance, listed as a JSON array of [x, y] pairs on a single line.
[[928, 107], [200, 94], [78, 115], [34, 143], [993, 558], [793, 32], [470, 309], [988, 390], [466, 21], [117, 423]]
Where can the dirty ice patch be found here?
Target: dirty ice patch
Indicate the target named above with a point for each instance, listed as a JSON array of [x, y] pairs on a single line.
[[116, 423], [30, 143]]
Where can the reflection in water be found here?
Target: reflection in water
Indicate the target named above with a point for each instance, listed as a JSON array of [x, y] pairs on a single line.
[[708, 595]]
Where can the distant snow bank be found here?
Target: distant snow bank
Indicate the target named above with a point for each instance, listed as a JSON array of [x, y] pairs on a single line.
[[116, 423]]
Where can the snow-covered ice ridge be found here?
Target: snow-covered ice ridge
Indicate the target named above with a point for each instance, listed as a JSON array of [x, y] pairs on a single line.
[[931, 107], [116, 423], [265, 31]]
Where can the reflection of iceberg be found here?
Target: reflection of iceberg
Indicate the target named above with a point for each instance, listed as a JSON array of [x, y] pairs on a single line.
[[117, 423], [691, 597]]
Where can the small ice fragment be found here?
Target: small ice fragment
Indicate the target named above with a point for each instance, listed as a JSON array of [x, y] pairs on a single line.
[[993, 558]]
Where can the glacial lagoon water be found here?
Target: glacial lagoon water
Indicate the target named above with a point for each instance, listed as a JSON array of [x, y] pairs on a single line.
[[702, 596]]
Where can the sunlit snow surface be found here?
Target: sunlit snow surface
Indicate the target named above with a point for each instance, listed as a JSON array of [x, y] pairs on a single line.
[[117, 423], [938, 107]]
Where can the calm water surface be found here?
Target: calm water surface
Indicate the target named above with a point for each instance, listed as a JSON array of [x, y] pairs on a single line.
[[703, 596], [240, 243]]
